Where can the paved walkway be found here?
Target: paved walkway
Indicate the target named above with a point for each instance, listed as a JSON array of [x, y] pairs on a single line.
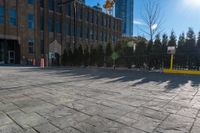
[[76, 100]]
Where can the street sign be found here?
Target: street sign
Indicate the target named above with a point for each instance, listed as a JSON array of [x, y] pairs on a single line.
[[171, 50]]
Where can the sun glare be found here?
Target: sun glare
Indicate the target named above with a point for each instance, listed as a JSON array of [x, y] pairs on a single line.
[[192, 3]]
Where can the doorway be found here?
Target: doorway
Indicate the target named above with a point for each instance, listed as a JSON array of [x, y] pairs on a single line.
[[11, 57], [9, 51]]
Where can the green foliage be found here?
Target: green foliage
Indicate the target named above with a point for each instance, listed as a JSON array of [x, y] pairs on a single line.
[[100, 56], [172, 40], [108, 55], [86, 57], [140, 53], [198, 41], [181, 40], [150, 54]]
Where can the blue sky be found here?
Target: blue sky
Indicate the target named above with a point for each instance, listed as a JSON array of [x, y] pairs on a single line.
[[177, 14]]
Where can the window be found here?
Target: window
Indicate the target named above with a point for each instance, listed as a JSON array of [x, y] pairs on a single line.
[[30, 47], [42, 22], [1, 14], [79, 12], [51, 24], [100, 20], [30, 2], [92, 17], [88, 16], [42, 46], [104, 19], [68, 9], [79, 31], [31, 21], [67, 44], [12, 17], [50, 4], [58, 25], [88, 33], [42, 3], [102, 36], [67, 27], [58, 7], [73, 29]]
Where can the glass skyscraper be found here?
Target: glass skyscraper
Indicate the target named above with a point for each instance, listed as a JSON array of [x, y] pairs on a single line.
[[124, 10]]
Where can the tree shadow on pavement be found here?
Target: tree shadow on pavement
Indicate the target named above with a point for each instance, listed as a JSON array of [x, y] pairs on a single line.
[[172, 81]]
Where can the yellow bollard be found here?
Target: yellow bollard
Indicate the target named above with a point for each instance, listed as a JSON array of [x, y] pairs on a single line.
[[171, 61]]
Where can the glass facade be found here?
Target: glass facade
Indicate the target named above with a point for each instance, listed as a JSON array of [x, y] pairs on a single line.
[[124, 10]]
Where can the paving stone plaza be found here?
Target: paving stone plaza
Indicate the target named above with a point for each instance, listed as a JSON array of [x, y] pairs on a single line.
[[89, 100]]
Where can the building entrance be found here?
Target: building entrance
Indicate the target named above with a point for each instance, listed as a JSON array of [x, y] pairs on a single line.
[[9, 52]]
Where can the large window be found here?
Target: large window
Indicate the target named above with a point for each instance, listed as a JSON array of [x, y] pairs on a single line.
[[42, 22], [30, 2], [68, 13], [58, 25], [1, 14], [42, 46], [42, 3], [30, 47], [50, 23], [73, 28], [67, 27], [12, 17], [58, 7], [50, 4], [31, 21]]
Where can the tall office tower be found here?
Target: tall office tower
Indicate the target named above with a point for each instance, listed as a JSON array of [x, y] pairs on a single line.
[[124, 10]]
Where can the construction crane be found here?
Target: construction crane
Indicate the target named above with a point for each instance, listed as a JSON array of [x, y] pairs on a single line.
[[109, 4]]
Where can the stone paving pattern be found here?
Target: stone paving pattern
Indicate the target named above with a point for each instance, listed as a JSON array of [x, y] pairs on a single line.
[[83, 100]]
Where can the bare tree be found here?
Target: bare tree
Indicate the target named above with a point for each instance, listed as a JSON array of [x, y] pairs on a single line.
[[152, 18]]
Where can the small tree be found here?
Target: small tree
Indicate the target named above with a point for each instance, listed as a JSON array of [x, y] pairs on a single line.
[[198, 51], [140, 53], [86, 56], [80, 56], [64, 58], [198, 41], [100, 56], [157, 52], [190, 49], [108, 55], [93, 56], [152, 18], [164, 48], [180, 53], [172, 40]]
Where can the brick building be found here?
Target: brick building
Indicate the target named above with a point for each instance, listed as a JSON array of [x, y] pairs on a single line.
[[31, 29]]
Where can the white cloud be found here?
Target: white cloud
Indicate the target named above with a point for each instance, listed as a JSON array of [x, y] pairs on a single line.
[[138, 22], [153, 27]]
